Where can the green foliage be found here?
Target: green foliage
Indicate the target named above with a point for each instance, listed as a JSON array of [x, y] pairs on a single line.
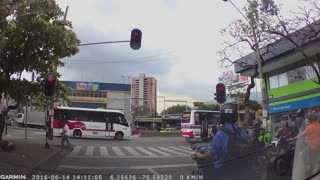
[[177, 109], [203, 106], [34, 42]]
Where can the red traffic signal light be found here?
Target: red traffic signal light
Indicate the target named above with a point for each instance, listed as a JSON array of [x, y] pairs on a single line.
[[50, 84], [50, 79], [135, 40], [220, 93]]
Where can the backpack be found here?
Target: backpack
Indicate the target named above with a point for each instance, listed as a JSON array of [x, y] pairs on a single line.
[[239, 150]]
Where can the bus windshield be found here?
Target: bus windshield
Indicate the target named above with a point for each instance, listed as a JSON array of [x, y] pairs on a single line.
[[185, 118]]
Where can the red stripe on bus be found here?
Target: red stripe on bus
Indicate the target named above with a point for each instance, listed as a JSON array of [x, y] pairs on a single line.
[[188, 134]]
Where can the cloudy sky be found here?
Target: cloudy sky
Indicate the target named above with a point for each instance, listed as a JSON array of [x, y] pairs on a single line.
[[180, 42]]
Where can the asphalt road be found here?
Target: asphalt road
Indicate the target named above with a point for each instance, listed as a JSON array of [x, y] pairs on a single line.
[[134, 158]]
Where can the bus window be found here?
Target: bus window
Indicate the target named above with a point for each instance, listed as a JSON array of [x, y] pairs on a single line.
[[196, 118], [212, 118], [185, 117], [82, 115], [119, 119]]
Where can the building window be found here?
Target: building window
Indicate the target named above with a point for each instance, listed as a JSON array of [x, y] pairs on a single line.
[[296, 75], [283, 79]]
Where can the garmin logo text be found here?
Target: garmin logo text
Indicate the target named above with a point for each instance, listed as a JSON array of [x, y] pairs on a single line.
[[13, 176], [228, 111]]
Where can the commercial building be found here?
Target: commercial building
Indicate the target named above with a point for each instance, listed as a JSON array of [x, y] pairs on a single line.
[[289, 78], [100, 95], [144, 96]]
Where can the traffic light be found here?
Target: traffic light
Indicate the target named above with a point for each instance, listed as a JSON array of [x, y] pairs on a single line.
[[220, 93], [135, 40], [50, 84]]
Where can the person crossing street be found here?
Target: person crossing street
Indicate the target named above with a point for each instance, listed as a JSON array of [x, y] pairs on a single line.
[[65, 136]]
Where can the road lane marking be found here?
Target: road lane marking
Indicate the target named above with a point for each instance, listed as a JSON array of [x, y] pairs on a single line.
[[186, 151], [75, 150], [126, 167], [104, 151], [146, 151], [153, 171], [118, 151], [160, 152], [185, 147], [89, 151], [171, 151], [132, 151]]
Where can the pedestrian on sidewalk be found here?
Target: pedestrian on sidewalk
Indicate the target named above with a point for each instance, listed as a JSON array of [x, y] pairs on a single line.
[[65, 135]]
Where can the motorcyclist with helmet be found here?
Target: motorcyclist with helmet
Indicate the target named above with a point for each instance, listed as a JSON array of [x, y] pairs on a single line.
[[223, 167]]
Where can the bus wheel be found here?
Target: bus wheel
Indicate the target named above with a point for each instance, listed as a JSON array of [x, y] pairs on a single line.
[[119, 135], [187, 138], [77, 134]]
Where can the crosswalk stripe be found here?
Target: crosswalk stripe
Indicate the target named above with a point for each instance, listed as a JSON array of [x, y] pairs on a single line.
[[89, 151], [186, 151], [132, 151], [118, 151], [185, 147], [160, 152], [104, 151], [146, 151], [171, 151], [75, 150]]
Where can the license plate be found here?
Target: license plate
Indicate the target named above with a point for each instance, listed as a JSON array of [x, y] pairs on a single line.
[[95, 133]]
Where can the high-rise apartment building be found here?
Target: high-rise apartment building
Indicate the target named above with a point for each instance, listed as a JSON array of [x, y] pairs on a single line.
[[144, 95]]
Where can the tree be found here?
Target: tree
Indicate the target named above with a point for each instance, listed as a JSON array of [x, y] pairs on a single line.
[[32, 40], [176, 109], [267, 25], [246, 37], [203, 106], [301, 28]]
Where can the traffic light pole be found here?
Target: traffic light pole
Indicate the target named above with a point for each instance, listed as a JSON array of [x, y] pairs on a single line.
[[107, 42], [47, 126]]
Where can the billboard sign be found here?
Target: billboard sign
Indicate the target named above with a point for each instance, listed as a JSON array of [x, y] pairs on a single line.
[[84, 86], [230, 78]]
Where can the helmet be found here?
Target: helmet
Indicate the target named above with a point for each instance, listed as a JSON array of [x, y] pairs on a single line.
[[312, 116], [228, 113]]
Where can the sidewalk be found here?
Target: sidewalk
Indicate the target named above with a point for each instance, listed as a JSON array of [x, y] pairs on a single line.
[[28, 154]]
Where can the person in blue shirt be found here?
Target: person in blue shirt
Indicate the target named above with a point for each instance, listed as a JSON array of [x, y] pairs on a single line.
[[219, 146]]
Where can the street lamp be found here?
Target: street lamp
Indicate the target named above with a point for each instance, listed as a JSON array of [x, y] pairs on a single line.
[[259, 59]]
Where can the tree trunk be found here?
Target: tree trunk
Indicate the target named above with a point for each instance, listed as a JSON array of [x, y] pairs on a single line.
[[246, 118]]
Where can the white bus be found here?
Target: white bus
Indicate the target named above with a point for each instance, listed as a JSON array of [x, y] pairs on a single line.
[[197, 124], [85, 122]]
